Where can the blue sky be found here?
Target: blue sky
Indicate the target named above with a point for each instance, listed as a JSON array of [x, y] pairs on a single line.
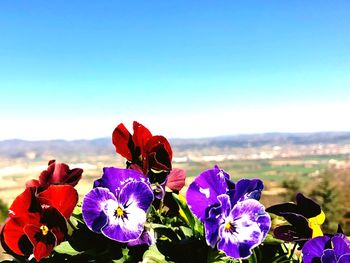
[[75, 69]]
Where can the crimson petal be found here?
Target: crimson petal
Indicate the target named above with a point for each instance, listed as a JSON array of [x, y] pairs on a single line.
[[157, 154], [24, 203], [54, 220], [43, 244], [15, 238], [59, 173], [62, 197], [121, 139], [141, 135]]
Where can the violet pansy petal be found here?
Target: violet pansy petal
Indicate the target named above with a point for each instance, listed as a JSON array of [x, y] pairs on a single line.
[[250, 224], [144, 239], [247, 188], [93, 208], [328, 256], [211, 225], [314, 248], [113, 178], [134, 200], [344, 258], [205, 189], [215, 219], [127, 227], [340, 245], [228, 244], [345, 238], [250, 216], [138, 194]]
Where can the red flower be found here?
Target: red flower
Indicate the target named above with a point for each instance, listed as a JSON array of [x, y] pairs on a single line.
[[37, 222], [147, 151], [56, 174]]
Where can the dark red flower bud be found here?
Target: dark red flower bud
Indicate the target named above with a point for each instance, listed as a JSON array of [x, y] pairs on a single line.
[[157, 154], [176, 179], [56, 174]]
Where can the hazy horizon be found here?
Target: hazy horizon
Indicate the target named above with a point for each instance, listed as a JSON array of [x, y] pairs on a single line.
[[187, 138]]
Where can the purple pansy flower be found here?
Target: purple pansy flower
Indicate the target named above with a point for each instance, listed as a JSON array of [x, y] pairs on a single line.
[[233, 219], [117, 205], [327, 249]]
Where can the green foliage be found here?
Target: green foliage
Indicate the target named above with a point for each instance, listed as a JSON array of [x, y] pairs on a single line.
[[3, 211], [292, 186], [328, 197]]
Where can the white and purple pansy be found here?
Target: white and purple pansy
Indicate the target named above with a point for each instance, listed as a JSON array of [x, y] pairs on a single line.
[[234, 220], [118, 204]]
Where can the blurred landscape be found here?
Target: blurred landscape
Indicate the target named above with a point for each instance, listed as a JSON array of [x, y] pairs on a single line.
[[317, 164]]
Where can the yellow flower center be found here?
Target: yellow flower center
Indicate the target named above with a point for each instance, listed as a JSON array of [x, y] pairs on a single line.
[[44, 230], [229, 226], [119, 211]]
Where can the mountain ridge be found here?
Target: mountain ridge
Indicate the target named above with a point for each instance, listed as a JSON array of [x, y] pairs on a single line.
[[16, 148]]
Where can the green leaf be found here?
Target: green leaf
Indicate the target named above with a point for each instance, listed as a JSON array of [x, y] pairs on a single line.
[[152, 255], [66, 248], [193, 222], [188, 232], [271, 240], [215, 256], [77, 209], [187, 212]]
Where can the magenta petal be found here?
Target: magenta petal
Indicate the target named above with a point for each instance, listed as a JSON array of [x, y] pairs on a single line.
[[204, 190], [93, 208]]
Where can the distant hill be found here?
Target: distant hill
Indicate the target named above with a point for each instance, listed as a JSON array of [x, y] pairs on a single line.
[[21, 148], [258, 140], [104, 146]]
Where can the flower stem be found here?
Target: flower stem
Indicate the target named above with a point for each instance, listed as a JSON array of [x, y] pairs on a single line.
[[292, 251], [72, 225]]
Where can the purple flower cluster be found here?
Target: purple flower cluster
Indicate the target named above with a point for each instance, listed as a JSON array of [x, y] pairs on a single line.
[[234, 220]]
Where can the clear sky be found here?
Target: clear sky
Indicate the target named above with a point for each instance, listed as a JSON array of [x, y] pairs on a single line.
[[75, 69]]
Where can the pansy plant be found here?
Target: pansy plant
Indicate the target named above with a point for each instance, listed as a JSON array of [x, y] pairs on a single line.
[[233, 219], [37, 221]]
